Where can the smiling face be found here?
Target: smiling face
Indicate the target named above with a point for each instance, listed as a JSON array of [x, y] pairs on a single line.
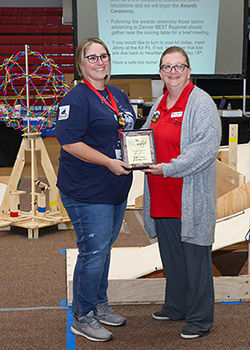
[[175, 80], [95, 72]]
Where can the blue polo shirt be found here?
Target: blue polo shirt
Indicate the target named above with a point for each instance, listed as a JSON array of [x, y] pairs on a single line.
[[83, 117]]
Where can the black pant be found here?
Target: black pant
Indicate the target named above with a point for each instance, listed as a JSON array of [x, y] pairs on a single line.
[[188, 270]]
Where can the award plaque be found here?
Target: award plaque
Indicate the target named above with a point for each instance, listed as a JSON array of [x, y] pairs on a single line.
[[138, 148]]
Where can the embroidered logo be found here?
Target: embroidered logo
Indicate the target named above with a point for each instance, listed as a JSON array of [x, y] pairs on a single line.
[[175, 122], [63, 112]]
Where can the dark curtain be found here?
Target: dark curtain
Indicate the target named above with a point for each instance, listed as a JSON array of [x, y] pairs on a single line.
[[10, 140]]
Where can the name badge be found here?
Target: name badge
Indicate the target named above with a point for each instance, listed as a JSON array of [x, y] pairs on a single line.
[[176, 114]]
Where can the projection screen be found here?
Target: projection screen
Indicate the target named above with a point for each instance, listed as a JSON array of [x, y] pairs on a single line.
[[214, 34]]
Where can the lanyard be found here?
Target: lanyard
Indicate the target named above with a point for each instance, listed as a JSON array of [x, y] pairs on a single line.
[[113, 104]]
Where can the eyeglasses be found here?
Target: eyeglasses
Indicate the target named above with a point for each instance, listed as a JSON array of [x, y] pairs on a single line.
[[179, 68], [94, 58]]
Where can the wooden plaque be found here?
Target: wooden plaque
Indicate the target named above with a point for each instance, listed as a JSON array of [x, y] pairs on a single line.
[[138, 148]]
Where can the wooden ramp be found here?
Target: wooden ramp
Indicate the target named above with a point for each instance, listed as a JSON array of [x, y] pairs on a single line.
[[232, 230], [129, 265]]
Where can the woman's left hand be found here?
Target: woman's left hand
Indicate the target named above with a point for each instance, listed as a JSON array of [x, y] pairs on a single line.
[[154, 169]]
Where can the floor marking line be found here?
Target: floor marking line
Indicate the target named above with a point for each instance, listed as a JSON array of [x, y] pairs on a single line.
[[35, 308], [71, 338]]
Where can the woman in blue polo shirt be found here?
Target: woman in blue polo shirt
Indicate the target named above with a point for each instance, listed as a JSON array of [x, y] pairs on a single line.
[[93, 182]]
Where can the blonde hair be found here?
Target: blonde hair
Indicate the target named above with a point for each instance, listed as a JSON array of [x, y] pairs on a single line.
[[174, 49], [81, 52]]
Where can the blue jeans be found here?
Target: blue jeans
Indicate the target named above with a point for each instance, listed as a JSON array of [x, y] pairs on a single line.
[[97, 227]]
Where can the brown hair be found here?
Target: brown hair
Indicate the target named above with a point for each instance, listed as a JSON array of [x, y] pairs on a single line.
[[174, 49], [81, 52]]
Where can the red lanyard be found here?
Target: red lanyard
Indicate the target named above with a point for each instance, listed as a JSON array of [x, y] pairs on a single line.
[[113, 104]]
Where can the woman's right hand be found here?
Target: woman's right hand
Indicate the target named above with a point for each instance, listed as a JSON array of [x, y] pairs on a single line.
[[118, 167], [88, 154]]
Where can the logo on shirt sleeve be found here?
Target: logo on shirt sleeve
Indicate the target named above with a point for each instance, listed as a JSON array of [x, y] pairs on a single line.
[[63, 112]]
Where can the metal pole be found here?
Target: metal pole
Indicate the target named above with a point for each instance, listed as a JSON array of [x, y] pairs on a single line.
[[244, 95], [27, 86], [33, 178], [248, 264]]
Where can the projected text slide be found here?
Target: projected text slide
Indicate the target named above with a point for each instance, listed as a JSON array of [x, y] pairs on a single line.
[[138, 31]]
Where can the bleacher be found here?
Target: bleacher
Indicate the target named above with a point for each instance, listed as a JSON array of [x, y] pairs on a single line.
[[42, 30]]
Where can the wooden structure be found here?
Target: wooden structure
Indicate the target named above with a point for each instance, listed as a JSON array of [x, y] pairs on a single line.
[[38, 216], [128, 282]]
